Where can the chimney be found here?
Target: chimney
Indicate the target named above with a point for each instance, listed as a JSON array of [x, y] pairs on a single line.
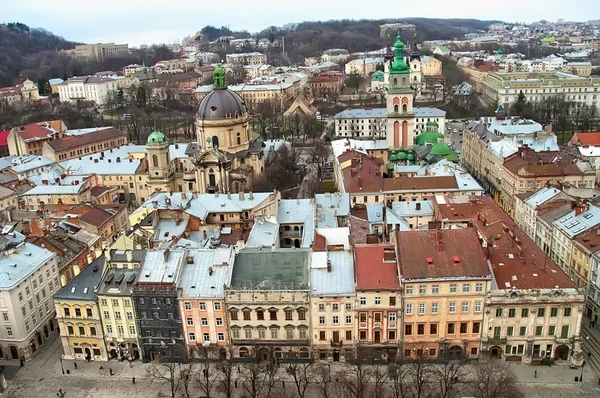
[[118, 159], [76, 269], [183, 195], [204, 235], [250, 196], [328, 265], [216, 194], [210, 270], [166, 255], [228, 195], [580, 209], [241, 193]]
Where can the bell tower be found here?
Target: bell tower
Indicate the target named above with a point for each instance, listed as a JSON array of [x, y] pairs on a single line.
[[160, 168], [400, 96]]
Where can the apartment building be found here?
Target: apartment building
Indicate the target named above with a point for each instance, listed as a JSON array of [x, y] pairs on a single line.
[[29, 279], [533, 311], [325, 86], [115, 303], [202, 302], [8, 198], [445, 280], [78, 143], [332, 300], [592, 310], [61, 191], [107, 221], [253, 58], [30, 139], [527, 205], [95, 89], [158, 319], [268, 304], [505, 87], [78, 317], [101, 51], [378, 305]]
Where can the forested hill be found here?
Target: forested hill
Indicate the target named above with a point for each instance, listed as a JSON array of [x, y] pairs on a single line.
[[18, 42]]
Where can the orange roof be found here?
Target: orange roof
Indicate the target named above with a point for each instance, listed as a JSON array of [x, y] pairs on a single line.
[[363, 175], [588, 139], [38, 131], [373, 271]]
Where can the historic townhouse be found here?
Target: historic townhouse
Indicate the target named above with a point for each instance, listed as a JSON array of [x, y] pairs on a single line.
[[445, 279], [202, 301], [268, 303], [115, 303], [532, 311], [78, 316], [378, 302]]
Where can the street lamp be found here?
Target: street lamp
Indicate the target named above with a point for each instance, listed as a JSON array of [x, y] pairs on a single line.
[[62, 356], [581, 377]]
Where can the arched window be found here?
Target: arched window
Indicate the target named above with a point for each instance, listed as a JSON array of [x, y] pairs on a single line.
[[396, 108], [395, 82], [215, 141], [404, 108], [415, 79], [154, 160], [403, 81], [239, 139]]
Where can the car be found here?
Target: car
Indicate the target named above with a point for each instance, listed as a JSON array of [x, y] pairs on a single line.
[[457, 151], [456, 130]]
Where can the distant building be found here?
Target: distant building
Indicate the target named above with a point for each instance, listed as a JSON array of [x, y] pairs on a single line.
[[253, 58], [431, 66], [363, 66], [30, 138], [388, 31], [78, 143], [101, 51], [87, 88], [335, 55]]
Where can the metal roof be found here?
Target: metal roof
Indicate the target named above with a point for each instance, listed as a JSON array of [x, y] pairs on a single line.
[[161, 266], [20, 262], [264, 233], [541, 196], [339, 281], [572, 225], [205, 273]]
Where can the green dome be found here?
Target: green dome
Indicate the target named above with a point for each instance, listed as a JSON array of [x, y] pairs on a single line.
[[440, 150], [390, 166], [452, 157], [410, 156], [401, 156], [430, 123], [393, 158], [401, 149], [429, 137], [219, 78], [393, 151], [435, 124], [378, 76], [399, 66], [156, 138]]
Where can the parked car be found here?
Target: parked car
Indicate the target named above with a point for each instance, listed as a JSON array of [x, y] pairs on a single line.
[[456, 130]]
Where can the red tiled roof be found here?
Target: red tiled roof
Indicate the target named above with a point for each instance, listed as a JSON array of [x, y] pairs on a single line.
[[75, 141], [96, 216], [440, 254], [37, 131], [529, 163], [100, 190], [359, 229], [363, 175], [372, 271], [420, 183], [588, 139], [324, 79], [3, 136], [516, 260]]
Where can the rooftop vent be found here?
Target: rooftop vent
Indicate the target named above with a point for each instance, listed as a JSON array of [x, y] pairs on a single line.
[[429, 260], [456, 259]]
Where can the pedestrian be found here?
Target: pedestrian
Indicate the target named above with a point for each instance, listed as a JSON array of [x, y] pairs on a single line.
[[21, 362], [589, 354], [235, 383], [238, 368], [75, 365], [133, 380], [535, 374], [110, 371], [283, 384]]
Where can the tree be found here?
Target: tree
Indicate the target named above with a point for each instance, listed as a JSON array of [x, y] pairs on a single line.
[[355, 378], [141, 97], [354, 79], [450, 378], [519, 105], [258, 379], [398, 374], [205, 380], [301, 375], [319, 156], [168, 372], [380, 377], [186, 374], [225, 382], [494, 379], [419, 375]]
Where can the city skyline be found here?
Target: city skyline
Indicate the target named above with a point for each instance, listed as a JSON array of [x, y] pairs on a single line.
[[159, 25]]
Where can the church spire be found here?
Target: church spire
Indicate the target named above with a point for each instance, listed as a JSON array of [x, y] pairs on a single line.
[[219, 78]]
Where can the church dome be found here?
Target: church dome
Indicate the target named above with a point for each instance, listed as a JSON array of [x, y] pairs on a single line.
[[440, 150], [156, 138], [399, 66], [401, 156], [429, 137], [221, 103]]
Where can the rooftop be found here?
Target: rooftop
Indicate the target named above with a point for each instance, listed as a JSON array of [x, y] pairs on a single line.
[[581, 219], [332, 273], [206, 272], [376, 267], [20, 262], [375, 113], [38, 131], [542, 196], [161, 266], [529, 163], [82, 287], [280, 269], [75, 141], [436, 254]]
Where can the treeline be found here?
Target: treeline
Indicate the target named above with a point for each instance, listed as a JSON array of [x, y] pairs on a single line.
[[36, 54]]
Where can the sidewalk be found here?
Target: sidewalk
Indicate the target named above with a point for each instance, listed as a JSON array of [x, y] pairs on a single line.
[[559, 374]]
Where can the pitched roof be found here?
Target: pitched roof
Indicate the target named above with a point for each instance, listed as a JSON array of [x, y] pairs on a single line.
[[81, 287], [375, 268], [528, 163], [96, 216], [38, 131], [588, 139], [363, 175], [445, 183], [435, 254], [69, 142]]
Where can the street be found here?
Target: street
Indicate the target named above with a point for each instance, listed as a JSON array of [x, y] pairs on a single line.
[[455, 139]]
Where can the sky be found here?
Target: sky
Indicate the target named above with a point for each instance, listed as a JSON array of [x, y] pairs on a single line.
[[166, 21]]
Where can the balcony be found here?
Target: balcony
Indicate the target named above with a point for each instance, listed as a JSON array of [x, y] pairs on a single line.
[[336, 343], [392, 325], [362, 325], [377, 324], [290, 234], [563, 340], [497, 341]]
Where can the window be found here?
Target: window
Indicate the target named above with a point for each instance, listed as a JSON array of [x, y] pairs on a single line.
[[433, 328], [349, 306], [302, 333], [273, 315], [464, 327], [260, 315], [66, 310], [336, 320], [435, 289], [88, 312], [348, 319], [451, 328], [248, 333], [466, 288], [465, 306], [392, 317], [434, 308], [153, 300], [512, 312], [408, 330], [539, 330], [524, 312], [289, 333], [155, 315], [476, 327], [246, 315], [288, 315], [453, 287], [498, 312], [422, 289], [554, 312], [115, 302], [204, 321], [392, 301], [541, 312], [567, 311], [106, 315], [409, 308], [522, 330], [479, 287], [302, 314], [220, 337], [363, 301], [551, 330], [5, 316], [321, 320], [564, 332], [217, 306], [274, 333], [202, 306], [497, 332], [233, 314], [206, 337], [510, 331], [104, 302], [109, 329], [477, 306], [190, 321], [452, 308], [421, 308], [377, 300], [131, 331], [408, 290], [192, 336], [188, 306], [421, 328]]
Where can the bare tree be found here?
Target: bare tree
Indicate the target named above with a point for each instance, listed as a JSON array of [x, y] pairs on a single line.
[[494, 379], [380, 377], [205, 380], [419, 376], [301, 375], [322, 381], [450, 378], [319, 155], [258, 379], [225, 382], [168, 372], [398, 374], [186, 374], [355, 378]]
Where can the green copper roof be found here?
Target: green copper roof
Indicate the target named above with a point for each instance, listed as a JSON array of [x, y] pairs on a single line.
[[378, 76], [452, 157], [399, 66], [410, 156], [429, 137], [390, 166], [401, 156], [219, 78], [393, 158], [440, 150], [156, 138], [429, 123]]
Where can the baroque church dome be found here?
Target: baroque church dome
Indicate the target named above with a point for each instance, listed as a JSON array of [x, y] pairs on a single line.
[[221, 103], [156, 138]]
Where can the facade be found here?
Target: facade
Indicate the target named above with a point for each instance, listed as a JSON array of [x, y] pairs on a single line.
[[445, 280], [431, 66], [29, 279], [378, 305], [115, 303], [325, 86], [202, 302], [332, 301], [76, 146], [8, 198], [158, 318], [505, 87], [363, 66], [107, 221], [101, 51], [87, 88], [30, 139], [78, 317], [593, 294], [527, 205], [65, 191], [254, 58], [268, 304]]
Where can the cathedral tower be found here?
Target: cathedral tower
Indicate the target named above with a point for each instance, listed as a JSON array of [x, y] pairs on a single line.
[[160, 168]]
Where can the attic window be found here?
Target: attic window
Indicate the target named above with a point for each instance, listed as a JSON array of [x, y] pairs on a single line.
[[456, 259], [73, 289], [85, 290], [429, 260], [166, 234]]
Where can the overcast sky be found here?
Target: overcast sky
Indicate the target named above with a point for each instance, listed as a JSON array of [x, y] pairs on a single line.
[[161, 21]]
